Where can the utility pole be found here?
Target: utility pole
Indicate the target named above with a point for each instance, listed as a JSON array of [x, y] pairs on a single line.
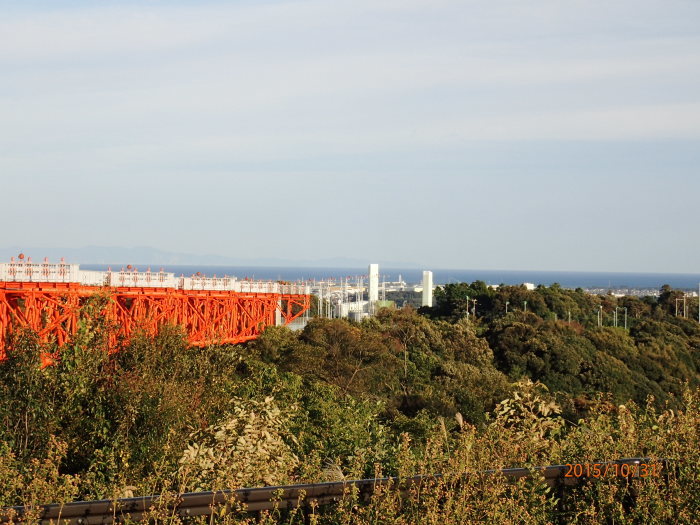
[[507, 303], [360, 294], [625, 318], [525, 306], [600, 315], [320, 300]]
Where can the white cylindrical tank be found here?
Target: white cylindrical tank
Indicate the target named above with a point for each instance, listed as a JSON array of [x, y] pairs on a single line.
[[427, 288]]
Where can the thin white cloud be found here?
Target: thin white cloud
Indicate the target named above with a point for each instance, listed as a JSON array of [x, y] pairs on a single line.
[[132, 93], [251, 70]]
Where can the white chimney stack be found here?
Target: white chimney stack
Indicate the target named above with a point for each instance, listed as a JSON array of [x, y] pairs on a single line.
[[427, 288], [373, 283]]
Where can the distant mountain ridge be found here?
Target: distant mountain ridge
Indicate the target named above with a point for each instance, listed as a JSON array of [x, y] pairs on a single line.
[[147, 255]]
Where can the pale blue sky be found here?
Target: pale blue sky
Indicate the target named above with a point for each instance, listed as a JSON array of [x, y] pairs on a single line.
[[552, 134]]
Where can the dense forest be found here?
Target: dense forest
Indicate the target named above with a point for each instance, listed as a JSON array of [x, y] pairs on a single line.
[[487, 378]]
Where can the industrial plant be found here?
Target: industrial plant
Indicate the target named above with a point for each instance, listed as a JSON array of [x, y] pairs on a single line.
[[362, 296]]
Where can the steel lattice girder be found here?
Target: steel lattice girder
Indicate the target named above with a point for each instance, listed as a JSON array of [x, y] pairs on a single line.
[[52, 311]]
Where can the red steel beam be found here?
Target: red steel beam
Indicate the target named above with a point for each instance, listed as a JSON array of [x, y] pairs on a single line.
[[52, 311]]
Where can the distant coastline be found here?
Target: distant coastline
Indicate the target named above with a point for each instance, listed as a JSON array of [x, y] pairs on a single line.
[[586, 280]]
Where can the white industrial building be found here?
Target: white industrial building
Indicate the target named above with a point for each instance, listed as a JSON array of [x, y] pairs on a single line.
[[347, 300]]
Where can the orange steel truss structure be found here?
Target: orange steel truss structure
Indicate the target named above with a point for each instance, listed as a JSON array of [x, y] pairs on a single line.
[[52, 310]]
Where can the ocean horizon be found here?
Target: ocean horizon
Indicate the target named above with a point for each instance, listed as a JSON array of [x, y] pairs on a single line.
[[567, 279]]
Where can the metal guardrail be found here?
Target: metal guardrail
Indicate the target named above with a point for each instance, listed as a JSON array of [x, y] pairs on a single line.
[[280, 497]]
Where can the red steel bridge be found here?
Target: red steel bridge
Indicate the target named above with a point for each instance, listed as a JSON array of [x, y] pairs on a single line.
[[48, 299]]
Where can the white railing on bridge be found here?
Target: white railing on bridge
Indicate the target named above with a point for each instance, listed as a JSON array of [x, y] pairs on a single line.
[[148, 279], [21, 271], [197, 282], [27, 271], [295, 289], [93, 278], [241, 286]]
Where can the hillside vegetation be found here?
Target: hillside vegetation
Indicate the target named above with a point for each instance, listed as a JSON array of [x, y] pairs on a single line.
[[407, 392]]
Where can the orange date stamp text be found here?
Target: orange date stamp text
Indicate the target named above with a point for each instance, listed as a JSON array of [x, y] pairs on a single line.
[[604, 470]]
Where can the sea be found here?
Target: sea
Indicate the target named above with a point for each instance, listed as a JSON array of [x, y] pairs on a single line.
[[586, 280]]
